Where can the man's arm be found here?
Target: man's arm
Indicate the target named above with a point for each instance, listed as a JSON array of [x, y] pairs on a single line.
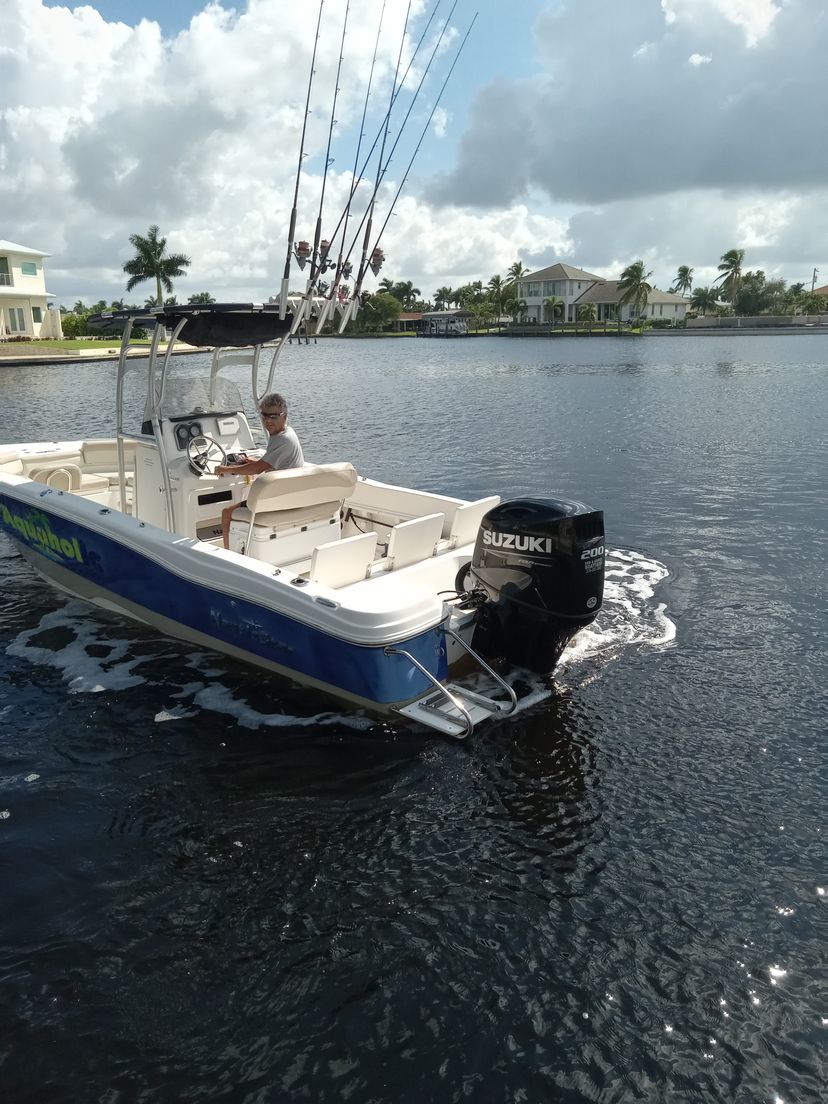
[[249, 467]]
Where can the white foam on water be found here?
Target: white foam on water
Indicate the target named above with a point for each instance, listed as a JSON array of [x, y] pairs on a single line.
[[629, 616], [219, 699], [179, 713], [84, 673]]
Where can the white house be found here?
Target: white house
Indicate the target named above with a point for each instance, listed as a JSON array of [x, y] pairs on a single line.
[[574, 288], [606, 297], [23, 294], [562, 281]]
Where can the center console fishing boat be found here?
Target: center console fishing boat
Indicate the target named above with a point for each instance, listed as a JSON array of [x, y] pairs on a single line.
[[372, 593], [379, 595]]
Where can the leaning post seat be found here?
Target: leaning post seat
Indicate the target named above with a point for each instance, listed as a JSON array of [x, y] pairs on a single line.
[[286, 509]]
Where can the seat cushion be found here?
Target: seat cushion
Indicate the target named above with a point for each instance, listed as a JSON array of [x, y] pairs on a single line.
[[287, 519]]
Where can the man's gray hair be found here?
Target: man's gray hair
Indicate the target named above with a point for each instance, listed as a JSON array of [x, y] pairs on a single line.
[[274, 399]]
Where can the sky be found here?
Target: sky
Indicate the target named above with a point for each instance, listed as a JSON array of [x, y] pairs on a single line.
[[581, 131]]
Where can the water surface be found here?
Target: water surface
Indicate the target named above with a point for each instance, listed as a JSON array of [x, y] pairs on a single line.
[[217, 887]]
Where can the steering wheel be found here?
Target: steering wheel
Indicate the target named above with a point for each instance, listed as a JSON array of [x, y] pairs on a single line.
[[205, 454]]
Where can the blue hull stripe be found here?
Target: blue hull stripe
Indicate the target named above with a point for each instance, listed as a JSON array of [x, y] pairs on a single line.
[[107, 564]]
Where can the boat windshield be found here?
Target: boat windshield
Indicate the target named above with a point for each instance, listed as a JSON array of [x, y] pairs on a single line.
[[200, 395]]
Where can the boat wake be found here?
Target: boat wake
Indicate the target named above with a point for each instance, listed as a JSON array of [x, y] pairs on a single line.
[[630, 616], [94, 655]]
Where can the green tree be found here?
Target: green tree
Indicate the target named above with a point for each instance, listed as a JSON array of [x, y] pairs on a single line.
[[152, 262], [552, 308], [75, 324], [812, 303], [206, 297], [683, 283], [703, 300], [386, 284], [406, 293], [731, 274], [516, 272], [379, 311], [443, 297], [496, 287], [634, 286], [587, 313], [519, 308]]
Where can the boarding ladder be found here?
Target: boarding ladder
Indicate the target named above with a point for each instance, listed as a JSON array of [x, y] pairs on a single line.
[[451, 709]]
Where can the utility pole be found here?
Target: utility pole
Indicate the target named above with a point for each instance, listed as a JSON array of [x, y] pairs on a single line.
[[813, 280]]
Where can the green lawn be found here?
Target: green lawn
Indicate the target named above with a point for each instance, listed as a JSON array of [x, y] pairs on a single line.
[[69, 345]]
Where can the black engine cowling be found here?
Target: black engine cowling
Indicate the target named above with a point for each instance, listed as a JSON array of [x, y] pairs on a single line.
[[540, 562]]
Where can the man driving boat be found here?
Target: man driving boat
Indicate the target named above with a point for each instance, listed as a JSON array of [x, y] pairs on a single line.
[[283, 451]]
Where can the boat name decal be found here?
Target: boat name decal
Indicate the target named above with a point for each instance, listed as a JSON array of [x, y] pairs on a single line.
[[521, 542], [35, 529]]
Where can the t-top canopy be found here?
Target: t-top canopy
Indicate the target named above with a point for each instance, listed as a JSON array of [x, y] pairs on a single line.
[[222, 324]]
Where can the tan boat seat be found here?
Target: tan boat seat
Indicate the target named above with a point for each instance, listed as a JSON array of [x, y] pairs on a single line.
[[68, 477], [297, 496]]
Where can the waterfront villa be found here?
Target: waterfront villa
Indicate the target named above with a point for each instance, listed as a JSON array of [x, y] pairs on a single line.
[[575, 288], [566, 283], [661, 305], [23, 294]]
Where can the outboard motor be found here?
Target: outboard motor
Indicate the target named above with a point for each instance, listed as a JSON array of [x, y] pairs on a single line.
[[540, 562]]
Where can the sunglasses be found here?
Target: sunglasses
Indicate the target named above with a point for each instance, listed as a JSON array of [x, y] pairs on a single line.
[[270, 415]]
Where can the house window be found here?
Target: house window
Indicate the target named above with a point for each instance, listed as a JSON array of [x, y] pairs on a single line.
[[17, 323], [37, 314], [5, 275], [28, 268], [533, 289], [660, 309]]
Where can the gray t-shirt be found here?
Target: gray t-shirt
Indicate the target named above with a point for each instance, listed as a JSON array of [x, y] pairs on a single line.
[[284, 451]]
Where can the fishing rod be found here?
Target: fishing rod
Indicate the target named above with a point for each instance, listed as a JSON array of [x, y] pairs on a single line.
[[319, 264], [376, 256], [343, 267], [370, 209], [286, 277], [425, 129], [340, 262]]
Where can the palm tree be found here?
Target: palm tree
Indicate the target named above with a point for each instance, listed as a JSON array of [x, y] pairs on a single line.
[[206, 297], [703, 300], [731, 273], [79, 307], [405, 291], [635, 288], [516, 272], [496, 288], [552, 306], [152, 262], [519, 309], [386, 285], [442, 297], [588, 313], [683, 283]]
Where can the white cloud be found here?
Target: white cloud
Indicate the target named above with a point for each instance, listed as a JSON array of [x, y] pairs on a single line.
[[754, 18], [628, 144]]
